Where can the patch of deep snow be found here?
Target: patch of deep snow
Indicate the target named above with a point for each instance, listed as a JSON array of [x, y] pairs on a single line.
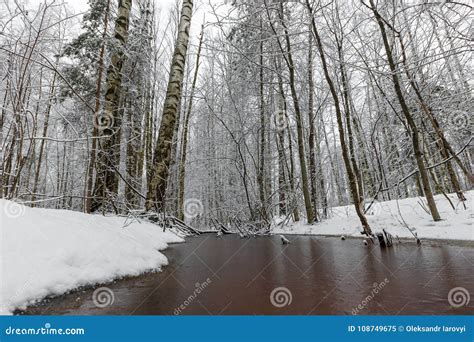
[[456, 224], [47, 252]]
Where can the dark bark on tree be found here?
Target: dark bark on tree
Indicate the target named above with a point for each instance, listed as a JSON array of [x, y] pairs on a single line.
[[288, 57], [184, 140], [409, 118], [312, 130], [44, 134], [283, 126], [156, 195], [95, 132], [319, 163], [345, 154], [109, 121], [261, 179], [350, 138], [444, 147]]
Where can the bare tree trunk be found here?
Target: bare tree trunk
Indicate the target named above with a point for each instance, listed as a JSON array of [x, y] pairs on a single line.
[[345, 154], [184, 140], [134, 154], [319, 163], [350, 138], [5, 103], [406, 112], [443, 145], [282, 186], [288, 56], [93, 151], [109, 122], [44, 134], [261, 179], [334, 166], [157, 187], [148, 132], [312, 131], [282, 126]]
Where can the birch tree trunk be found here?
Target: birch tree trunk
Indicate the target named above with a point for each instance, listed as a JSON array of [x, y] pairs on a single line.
[[161, 163], [109, 122], [184, 140]]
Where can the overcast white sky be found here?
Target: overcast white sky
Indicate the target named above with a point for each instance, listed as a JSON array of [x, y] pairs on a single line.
[[79, 6]]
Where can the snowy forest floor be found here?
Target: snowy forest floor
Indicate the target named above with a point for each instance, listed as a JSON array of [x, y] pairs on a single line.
[[46, 252], [395, 217]]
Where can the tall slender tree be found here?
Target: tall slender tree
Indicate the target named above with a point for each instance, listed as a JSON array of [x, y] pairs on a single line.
[[352, 179], [95, 131], [109, 121], [184, 139], [286, 50], [162, 158], [408, 116]]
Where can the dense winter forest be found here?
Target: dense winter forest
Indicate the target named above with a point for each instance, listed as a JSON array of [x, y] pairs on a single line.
[[236, 113]]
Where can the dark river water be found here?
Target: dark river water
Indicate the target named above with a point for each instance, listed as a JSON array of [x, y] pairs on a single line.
[[312, 275]]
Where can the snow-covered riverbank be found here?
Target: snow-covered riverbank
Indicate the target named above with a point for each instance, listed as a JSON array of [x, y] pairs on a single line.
[[48, 252], [395, 217]]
